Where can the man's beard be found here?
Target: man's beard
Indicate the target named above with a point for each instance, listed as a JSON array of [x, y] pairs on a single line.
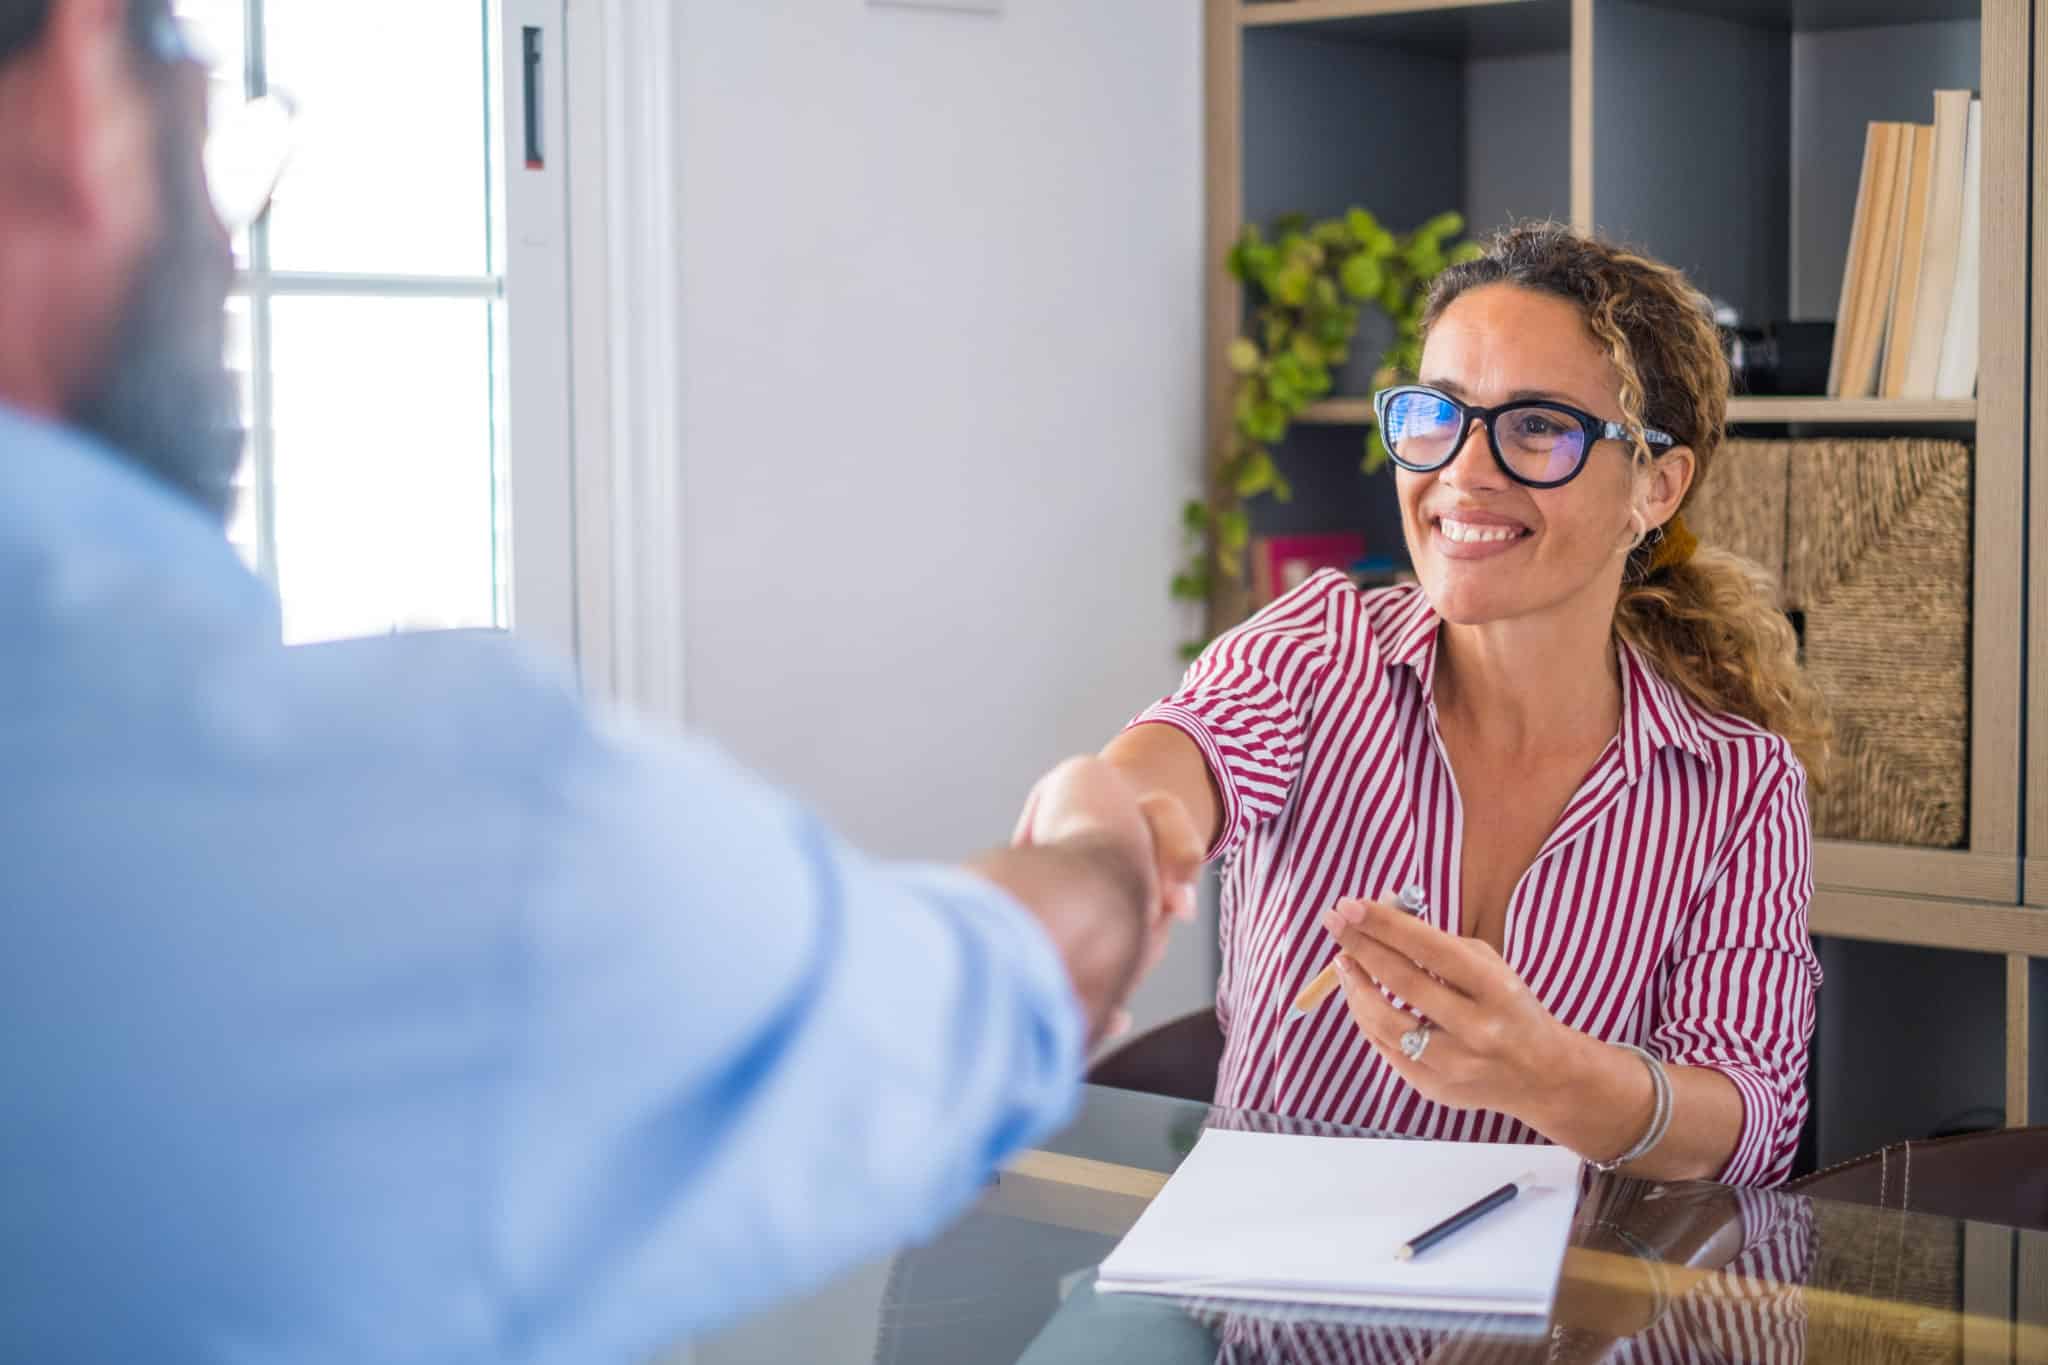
[[165, 398]]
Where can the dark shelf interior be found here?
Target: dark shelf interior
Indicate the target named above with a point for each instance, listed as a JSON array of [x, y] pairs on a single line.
[[1811, 16], [1403, 133], [1885, 1072], [1514, 28]]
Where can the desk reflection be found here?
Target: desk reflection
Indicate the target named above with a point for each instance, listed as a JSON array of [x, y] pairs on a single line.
[[1654, 1273]]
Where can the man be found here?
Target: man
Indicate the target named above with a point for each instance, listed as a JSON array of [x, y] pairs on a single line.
[[366, 1002]]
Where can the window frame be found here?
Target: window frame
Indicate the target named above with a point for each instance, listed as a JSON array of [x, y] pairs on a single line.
[[534, 572]]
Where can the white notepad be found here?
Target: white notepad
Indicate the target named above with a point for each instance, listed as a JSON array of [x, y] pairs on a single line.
[[1283, 1218]]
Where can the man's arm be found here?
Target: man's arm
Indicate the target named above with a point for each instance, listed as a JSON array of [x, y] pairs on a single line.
[[752, 1056], [1089, 899]]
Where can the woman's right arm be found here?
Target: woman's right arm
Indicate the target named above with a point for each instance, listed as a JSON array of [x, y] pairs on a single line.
[[1161, 759], [1175, 794], [1220, 755]]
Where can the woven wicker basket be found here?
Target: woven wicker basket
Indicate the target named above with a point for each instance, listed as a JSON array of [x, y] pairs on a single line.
[[1871, 543]]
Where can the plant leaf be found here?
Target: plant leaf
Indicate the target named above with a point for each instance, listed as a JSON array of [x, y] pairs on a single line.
[[1234, 529], [1258, 475], [1192, 585], [1268, 423], [1447, 224], [1361, 276]]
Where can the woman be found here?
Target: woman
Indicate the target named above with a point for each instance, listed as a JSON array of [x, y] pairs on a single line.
[[1582, 737]]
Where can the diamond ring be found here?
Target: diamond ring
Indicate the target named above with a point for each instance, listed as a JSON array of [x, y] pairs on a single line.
[[1414, 1041]]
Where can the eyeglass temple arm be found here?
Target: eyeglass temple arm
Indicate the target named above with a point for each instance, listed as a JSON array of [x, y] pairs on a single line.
[[1615, 431]]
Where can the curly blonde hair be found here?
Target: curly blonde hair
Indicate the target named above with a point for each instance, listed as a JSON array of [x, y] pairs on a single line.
[[1707, 623]]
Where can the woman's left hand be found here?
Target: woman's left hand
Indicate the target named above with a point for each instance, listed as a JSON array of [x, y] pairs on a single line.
[[1492, 1044]]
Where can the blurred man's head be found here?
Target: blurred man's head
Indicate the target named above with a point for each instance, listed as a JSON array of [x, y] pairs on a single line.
[[113, 268]]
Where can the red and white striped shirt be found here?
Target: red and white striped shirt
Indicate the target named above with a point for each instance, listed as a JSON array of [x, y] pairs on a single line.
[[1667, 908]]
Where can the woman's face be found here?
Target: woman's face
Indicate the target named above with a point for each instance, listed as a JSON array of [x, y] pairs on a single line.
[[1486, 548]]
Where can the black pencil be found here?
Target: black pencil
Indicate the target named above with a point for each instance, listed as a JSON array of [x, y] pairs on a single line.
[[1470, 1214]]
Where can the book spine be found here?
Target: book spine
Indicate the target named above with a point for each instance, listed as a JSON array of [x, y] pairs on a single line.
[[1956, 376]]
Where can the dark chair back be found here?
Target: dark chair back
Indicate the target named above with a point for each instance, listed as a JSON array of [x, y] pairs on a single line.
[[1179, 1058], [1996, 1177]]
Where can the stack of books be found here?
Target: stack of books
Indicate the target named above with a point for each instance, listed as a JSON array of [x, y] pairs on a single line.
[[1907, 326], [1280, 564]]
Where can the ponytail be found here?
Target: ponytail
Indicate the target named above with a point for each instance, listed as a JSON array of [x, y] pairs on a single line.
[[1708, 626]]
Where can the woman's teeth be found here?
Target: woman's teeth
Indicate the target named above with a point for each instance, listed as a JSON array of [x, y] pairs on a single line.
[[1460, 533]]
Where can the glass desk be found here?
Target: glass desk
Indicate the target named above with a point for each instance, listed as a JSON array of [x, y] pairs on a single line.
[[1655, 1272]]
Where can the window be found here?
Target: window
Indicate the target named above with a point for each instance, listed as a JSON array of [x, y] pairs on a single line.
[[369, 321]]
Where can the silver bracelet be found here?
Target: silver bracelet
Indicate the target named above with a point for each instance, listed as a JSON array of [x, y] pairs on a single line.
[[1660, 1113]]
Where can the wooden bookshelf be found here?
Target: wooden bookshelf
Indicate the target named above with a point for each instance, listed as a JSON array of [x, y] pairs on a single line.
[[1877, 412], [1339, 412], [2027, 977], [1269, 12], [1930, 922], [1612, 114], [2036, 876]]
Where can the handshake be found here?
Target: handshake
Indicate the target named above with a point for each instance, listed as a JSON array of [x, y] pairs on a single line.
[[1105, 869]]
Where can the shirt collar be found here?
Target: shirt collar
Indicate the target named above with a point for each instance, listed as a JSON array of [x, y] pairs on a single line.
[[92, 516], [1654, 714]]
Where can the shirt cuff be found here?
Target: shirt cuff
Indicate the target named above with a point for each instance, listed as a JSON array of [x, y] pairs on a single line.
[[1192, 725], [1027, 950], [1756, 1160]]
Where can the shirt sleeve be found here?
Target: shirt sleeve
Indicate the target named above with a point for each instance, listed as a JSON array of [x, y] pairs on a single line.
[[1741, 985], [749, 1056], [1246, 701]]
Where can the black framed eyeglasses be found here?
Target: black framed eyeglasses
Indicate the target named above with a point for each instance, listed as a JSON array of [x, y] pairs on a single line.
[[1537, 444]]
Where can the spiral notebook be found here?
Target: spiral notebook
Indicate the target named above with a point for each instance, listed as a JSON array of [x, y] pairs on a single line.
[[1287, 1218]]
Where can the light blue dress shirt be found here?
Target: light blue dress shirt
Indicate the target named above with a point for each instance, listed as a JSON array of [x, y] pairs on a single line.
[[366, 1002]]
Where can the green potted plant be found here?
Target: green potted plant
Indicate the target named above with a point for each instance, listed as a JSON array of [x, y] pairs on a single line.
[[1306, 284]]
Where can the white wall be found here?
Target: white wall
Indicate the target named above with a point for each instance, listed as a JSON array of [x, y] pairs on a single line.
[[940, 400], [941, 280]]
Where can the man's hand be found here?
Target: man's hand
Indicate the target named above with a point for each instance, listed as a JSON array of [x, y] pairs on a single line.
[[1090, 799], [1106, 871]]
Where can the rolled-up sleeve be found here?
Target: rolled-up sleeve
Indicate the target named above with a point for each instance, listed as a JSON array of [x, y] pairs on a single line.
[[1742, 981], [749, 1056], [1245, 704]]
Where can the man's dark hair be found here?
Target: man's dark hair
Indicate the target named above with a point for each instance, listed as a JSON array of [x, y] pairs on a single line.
[[21, 22]]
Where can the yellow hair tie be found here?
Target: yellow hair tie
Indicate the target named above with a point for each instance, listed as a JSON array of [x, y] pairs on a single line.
[[1675, 547]]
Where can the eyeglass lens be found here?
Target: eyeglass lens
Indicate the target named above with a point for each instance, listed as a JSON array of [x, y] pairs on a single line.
[[1540, 444]]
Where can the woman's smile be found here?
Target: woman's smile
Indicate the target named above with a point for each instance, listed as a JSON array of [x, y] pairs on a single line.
[[1470, 534]]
